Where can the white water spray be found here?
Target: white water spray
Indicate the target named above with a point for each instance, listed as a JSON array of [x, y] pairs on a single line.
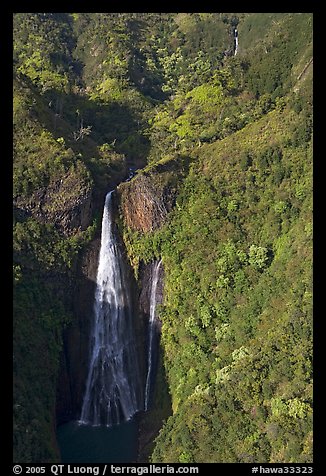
[[236, 39], [152, 334], [113, 390]]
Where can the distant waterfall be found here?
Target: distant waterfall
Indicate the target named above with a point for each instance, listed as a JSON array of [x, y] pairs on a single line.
[[236, 42], [152, 333], [113, 392]]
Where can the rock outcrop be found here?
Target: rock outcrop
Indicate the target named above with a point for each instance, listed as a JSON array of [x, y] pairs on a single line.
[[65, 202], [146, 202]]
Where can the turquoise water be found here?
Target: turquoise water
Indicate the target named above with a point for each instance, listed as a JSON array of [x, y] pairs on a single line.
[[87, 444]]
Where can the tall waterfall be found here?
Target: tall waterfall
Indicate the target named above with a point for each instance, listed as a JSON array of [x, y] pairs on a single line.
[[113, 390], [152, 333]]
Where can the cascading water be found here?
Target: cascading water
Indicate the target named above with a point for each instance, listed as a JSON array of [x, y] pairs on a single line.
[[113, 390], [152, 333], [236, 41]]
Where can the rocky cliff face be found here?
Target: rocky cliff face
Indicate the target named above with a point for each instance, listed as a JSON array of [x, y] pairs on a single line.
[[75, 356], [66, 203], [146, 201]]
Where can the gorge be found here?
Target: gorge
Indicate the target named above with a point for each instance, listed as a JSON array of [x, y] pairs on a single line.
[[114, 393]]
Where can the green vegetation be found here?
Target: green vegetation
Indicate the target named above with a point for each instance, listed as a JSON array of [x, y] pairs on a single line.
[[229, 138], [237, 310], [236, 319], [278, 47], [237, 257], [152, 421]]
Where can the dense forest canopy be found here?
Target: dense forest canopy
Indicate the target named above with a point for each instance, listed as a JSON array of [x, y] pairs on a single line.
[[97, 93]]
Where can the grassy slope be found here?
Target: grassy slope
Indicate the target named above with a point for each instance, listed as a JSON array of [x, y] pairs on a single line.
[[236, 332], [237, 312]]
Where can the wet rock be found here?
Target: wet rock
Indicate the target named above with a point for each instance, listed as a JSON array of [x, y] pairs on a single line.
[[75, 358]]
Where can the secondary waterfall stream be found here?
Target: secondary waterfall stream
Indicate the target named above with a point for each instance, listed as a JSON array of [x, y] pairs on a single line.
[[113, 388], [152, 334]]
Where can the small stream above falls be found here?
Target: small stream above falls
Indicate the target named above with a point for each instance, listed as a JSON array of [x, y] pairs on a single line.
[[236, 41]]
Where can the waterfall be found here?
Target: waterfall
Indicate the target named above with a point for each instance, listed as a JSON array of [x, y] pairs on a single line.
[[113, 390], [236, 40], [152, 333]]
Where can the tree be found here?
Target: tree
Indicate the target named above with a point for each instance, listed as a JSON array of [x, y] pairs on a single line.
[[258, 256]]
